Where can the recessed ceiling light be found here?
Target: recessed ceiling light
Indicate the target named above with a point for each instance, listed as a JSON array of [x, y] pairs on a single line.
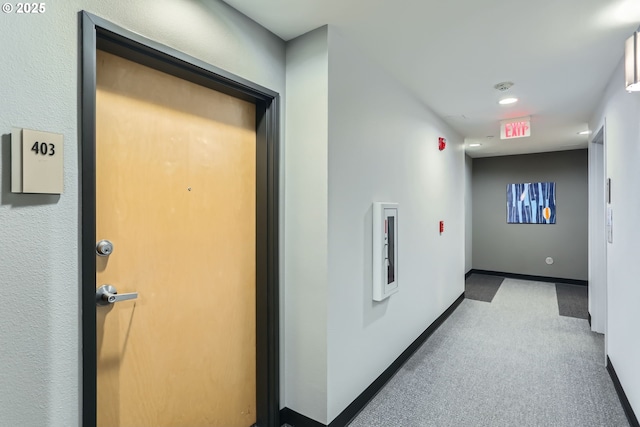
[[585, 132], [475, 145], [507, 101]]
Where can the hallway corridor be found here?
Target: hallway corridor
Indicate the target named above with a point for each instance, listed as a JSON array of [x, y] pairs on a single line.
[[510, 362]]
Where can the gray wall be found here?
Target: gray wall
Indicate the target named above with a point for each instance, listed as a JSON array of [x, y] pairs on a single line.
[[305, 270], [40, 335], [621, 292], [468, 213], [522, 248], [338, 340], [385, 154]]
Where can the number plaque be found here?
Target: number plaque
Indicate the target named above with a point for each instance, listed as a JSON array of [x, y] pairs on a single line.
[[37, 162]]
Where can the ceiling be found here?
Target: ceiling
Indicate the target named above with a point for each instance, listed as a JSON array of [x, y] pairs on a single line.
[[450, 53]]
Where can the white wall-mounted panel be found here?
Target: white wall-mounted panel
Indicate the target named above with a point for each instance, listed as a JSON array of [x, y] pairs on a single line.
[[385, 250]]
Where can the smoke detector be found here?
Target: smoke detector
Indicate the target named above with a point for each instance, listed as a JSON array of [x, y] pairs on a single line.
[[503, 86]]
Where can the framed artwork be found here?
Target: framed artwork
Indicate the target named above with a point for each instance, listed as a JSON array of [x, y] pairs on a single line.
[[531, 203]]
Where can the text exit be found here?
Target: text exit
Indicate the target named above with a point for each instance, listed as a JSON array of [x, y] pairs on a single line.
[[515, 128]]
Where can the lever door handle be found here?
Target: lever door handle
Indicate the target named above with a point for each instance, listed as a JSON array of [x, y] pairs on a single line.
[[108, 294]]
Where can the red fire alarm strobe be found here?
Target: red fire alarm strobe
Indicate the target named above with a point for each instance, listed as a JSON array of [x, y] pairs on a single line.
[[442, 143], [441, 227]]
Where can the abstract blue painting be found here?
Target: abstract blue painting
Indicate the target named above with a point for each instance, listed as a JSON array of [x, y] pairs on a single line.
[[531, 203]]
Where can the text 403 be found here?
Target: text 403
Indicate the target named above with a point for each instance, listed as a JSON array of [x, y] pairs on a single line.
[[43, 148]]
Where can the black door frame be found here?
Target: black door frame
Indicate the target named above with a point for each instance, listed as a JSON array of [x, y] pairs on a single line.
[[98, 33]]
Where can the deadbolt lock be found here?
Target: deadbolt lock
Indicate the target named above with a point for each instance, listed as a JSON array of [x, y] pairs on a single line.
[[104, 248]]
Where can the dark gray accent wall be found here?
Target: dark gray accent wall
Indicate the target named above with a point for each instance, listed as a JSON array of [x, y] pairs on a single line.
[[523, 248]]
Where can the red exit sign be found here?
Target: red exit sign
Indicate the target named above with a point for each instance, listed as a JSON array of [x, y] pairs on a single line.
[[515, 128]]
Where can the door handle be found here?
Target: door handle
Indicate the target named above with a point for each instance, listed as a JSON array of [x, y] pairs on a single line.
[[108, 294]]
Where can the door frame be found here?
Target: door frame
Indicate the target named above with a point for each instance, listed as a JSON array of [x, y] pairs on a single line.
[[598, 246], [98, 33]]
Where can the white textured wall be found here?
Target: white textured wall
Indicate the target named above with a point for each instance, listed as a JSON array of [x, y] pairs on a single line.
[[468, 214], [306, 227], [39, 336], [383, 146], [622, 145]]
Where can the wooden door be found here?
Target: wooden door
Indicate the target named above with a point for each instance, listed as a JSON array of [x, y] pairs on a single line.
[[176, 195]]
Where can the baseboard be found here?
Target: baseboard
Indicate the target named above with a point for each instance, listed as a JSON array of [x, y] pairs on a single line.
[[469, 273], [291, 417], [534, 278], [628, 410], [295, 419]]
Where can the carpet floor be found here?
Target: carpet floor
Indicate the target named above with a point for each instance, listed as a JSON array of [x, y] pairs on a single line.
[[482, 287], [573, 301], [515, 362]]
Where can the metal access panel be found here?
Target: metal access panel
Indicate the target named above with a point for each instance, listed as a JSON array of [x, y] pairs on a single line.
[[385, 250]]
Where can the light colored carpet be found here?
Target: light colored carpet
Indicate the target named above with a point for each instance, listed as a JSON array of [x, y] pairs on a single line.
[[512, 362]]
